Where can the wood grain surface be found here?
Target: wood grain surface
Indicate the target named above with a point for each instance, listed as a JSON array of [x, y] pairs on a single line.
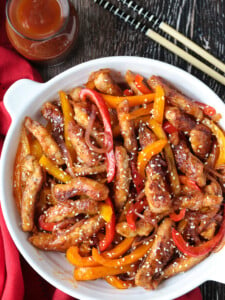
[[102, 34]]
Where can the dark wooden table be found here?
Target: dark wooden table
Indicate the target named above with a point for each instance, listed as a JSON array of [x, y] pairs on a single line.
[[102, 34]]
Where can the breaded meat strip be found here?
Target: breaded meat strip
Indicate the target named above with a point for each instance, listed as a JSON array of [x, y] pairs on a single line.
[[156, 191], [179, 265], [127, 128], [84, 153], [104, 82], [71, 208], [158, 257], [201, 140], [48, 144], [122, 178], [188, 163], [33, 185], [200, 136], [76, 234], [81, 186], [180, 120]]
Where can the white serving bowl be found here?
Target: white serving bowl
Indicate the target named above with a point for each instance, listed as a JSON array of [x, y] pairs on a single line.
[[25, 97]]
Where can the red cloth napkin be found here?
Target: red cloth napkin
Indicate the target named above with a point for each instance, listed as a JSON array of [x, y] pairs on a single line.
[[17, 279]]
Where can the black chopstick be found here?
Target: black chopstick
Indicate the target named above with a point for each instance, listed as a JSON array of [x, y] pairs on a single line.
[[138, 25]]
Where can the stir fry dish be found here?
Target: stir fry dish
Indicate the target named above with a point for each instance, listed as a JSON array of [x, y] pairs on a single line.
[[126, 176]]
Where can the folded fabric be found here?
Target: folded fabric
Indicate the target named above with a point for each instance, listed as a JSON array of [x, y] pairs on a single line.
[[17, 279]]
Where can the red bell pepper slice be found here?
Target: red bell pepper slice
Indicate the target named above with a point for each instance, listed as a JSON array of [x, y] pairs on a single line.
[[47, 226], [103, 109], [136, 177], [168, 127], [177, 217], [189, 182], [202, 249], [207, 109], [141, 85], [110, 229], [128, 92]]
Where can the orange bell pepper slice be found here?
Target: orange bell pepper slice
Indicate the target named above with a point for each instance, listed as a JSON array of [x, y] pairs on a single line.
[[120, 249], [114, 101], [76, 259], [174, 178], [143, 111], [116, 282], [219, 134], [22, 150], [141, 86], [68, 115], [159, 104], [146, 154], [91, 273], [53, 169], [126, 260], [73, 256]]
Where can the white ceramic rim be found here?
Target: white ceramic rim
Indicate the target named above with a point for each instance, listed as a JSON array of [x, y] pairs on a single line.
[[210, 269]]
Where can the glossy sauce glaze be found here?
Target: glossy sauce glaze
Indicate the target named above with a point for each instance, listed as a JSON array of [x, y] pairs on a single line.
[[42, 30]]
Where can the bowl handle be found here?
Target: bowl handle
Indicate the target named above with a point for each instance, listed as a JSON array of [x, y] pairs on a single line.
[[18, 94]]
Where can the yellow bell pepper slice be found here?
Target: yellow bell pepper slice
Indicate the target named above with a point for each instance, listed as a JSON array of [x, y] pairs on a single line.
[[174, 178], [106, 212], [146, 154], [53, 169], [68, 115], [159, 104], [114, 101], [36, 149], [219, 134]]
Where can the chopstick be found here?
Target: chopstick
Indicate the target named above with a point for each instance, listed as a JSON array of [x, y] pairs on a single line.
[[174, 33], [138, 25]]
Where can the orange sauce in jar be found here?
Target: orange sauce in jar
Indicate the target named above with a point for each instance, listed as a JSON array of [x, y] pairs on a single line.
[[42, 30]]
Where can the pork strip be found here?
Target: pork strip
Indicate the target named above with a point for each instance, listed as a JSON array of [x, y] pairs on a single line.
[[180, 120], [158, 257], [189, 164], [156, 191], [201, 140], [122, 178], [81, 186], [84, 153], [179, 265], [127, 128], [48, 144], [33, 185], [104, 82], [73, 236], [71, 208]]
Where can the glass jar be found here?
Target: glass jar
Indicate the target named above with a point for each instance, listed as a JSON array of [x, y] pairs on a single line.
[[43, 31]]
